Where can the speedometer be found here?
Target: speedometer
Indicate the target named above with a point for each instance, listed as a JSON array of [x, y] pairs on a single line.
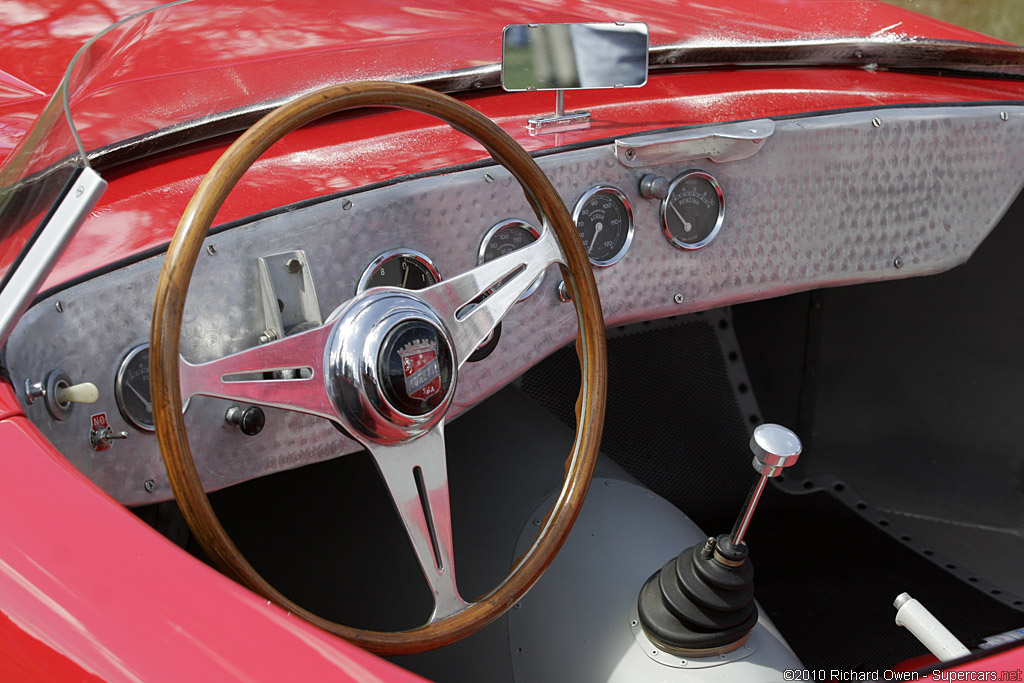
[[604, 219]]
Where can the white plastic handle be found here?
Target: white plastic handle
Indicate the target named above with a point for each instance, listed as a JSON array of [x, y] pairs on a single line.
[[86, 392], [929, 630]]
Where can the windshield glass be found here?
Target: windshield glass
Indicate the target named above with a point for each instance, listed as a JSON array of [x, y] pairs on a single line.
[[186, 65]]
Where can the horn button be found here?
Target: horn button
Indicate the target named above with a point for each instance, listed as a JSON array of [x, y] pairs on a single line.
[[415, 368]]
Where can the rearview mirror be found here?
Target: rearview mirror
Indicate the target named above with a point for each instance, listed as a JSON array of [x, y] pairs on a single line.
[[574, 56]]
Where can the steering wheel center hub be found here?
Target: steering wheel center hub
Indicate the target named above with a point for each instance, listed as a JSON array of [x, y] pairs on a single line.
[[391, 369]]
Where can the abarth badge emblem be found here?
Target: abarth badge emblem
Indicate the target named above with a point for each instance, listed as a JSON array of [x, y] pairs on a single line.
[[421, 369]]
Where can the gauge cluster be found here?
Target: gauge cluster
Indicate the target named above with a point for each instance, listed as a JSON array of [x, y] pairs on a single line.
[[654, 225]]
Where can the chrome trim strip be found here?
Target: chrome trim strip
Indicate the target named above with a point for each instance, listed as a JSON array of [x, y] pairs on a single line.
[[40, 258], [914, 54]]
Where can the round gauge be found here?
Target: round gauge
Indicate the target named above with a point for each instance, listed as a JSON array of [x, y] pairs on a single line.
[[604, 219], [131, 389], [403, 268], [504, 238], [693, 210]]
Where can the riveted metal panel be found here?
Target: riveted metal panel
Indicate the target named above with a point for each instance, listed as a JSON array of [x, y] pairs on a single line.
[[827, 200]]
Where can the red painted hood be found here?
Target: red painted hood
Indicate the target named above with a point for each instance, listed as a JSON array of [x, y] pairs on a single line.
[[202, 57]]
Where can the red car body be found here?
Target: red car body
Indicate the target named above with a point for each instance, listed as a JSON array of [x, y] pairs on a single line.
[[88, 591]]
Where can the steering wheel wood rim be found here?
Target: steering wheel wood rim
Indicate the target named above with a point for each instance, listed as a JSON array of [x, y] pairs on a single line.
[[166, 329]]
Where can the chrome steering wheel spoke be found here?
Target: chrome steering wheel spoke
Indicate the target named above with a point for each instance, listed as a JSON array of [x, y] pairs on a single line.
[[296, 364], [473, 303], [416, 475]]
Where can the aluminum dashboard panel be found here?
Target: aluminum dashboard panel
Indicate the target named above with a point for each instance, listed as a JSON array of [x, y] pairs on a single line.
[[827, 200]]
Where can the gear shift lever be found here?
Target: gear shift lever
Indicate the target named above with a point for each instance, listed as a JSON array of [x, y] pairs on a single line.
[[701, 603], [775, 448]]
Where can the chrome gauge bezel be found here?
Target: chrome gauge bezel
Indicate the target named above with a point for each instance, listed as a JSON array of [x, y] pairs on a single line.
[[663, 213], [624, 200], [119, 397], [494, 230], [377, 262]]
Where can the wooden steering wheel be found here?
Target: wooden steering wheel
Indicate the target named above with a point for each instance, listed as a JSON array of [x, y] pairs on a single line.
[[358, 371]]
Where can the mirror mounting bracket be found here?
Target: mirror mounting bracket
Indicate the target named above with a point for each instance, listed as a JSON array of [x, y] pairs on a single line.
[[560, 121]]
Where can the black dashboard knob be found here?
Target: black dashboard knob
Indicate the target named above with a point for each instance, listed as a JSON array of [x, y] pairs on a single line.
[[251, 420]]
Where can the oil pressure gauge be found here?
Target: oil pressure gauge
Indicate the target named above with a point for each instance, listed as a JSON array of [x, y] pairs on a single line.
[[131, 389], [693, 210]]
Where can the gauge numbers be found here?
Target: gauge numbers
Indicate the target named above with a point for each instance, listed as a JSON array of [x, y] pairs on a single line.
[[131, 389], [504, 238], [604, 219], [693, 210], [403, 268]]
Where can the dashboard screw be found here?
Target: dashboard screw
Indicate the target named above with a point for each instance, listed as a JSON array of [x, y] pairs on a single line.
[[678, 298], [1004, 116], [346, 204], [488, 178], [60, 306], [149, 485], [897, 262], [212, 250], [876, 122], [630, 154]]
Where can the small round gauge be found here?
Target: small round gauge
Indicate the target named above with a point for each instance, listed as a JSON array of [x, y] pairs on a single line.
[[399, 268], [693, 210], [504, 238], [131, 389], [604, 219]]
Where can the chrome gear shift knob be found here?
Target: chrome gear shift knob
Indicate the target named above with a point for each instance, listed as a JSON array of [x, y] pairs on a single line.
[[775, 448]]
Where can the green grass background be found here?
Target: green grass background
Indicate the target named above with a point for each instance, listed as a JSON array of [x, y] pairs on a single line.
[[998, 18]]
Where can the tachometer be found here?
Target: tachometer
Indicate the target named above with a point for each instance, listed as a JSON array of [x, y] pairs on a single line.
[[403, 268], [693, 210], [504, 238], [604, 219]]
